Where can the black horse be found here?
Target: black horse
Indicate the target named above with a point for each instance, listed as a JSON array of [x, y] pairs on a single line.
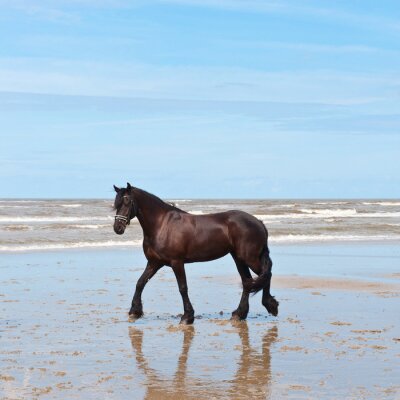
[[174, 237]]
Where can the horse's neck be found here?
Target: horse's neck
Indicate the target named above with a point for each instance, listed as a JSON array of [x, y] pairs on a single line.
[[151, 210]]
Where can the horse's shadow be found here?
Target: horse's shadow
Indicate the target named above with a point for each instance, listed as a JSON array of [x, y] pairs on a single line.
[[252, 378]]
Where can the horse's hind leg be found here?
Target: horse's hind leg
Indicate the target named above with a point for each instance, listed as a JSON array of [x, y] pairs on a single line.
[[269, 301], [179, 271], [136, 310], [243, 307]]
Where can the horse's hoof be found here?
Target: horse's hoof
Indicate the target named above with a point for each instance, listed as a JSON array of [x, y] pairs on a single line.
[[186, 320], [237, 317], [134, 316], [271, 304], [274, 313]]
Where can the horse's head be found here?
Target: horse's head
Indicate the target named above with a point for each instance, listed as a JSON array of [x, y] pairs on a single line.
[[125, 206]]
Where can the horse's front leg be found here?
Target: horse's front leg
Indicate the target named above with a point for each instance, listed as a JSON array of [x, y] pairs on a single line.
[[179, 271], [136, 310]]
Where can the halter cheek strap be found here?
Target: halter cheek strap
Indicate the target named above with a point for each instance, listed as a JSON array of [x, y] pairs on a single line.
[[121, 218]]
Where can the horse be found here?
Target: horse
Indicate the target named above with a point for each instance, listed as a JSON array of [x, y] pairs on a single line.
[[173, 237]]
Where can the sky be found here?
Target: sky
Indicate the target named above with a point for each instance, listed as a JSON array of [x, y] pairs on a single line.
[[200, 98]]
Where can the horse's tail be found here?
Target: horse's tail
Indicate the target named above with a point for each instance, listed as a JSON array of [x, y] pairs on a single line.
[[263, 280]]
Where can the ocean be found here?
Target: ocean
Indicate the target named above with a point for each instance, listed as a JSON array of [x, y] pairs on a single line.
[[35, 225]]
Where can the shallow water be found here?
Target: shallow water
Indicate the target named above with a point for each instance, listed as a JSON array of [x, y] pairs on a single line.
[[64, 331]]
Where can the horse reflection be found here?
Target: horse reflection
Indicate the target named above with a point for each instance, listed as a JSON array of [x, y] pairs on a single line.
[[251, 380]]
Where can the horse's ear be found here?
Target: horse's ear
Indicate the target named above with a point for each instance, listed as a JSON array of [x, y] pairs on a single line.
[[128, 187], [116, 189]]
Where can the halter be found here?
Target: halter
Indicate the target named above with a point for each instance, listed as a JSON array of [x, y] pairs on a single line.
[[122, 218]]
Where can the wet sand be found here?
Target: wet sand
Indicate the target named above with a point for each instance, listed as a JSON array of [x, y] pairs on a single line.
[[64, 331]]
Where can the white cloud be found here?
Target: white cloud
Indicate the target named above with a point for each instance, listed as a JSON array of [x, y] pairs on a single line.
[[211, 83]]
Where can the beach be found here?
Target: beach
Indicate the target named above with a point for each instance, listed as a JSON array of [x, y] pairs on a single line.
[[264, 132], [65, 332]]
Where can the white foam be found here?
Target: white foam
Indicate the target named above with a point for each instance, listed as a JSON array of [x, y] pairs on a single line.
[[346, 213], [13, 206], [23, 201], [323, 203], [382, 203], [330, 212], [71, 205], [54, 219], [330, 238], [86, 226], [379, 215], [64, 246]]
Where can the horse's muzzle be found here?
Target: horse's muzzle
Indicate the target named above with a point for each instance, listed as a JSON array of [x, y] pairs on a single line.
[[119, 228]]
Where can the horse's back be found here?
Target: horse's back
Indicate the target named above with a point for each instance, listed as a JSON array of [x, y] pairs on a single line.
[[233, 222]]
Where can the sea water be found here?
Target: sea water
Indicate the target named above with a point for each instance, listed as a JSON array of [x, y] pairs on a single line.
[[29, 225]]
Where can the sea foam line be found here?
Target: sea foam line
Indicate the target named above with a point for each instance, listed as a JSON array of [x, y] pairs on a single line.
[[382, 203], [328, 214], [10, 219], [306, 213], [65, 246], [279, 239], [331, 238]]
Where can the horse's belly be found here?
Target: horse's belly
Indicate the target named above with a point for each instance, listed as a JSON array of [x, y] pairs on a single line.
[[202, 256], [211, 248]]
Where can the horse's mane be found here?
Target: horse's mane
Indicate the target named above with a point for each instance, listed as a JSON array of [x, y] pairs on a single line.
[[152, 197], [158, 200]]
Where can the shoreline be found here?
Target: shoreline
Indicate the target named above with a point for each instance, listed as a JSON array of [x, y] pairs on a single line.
[[137, 244]]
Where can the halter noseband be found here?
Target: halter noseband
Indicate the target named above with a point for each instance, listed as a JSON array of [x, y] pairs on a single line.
[[122, 218]]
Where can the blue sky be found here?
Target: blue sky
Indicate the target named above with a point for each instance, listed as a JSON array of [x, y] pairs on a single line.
[[200, 98]]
